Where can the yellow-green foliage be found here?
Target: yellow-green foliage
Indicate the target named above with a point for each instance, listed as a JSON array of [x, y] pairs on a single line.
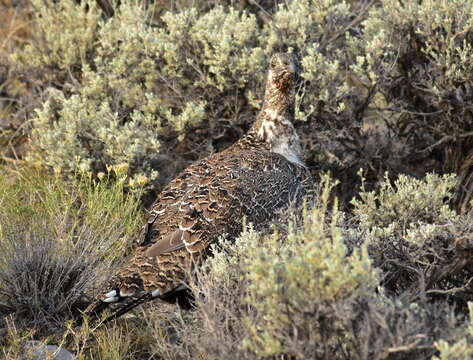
[[416, 238], [315, 293], [136, 87], [278, 292], [460, 349], [69, 30], [277, 295], [58, 240], [412, 219], [114, 343], [407, 207], [141, 95], [33, 199], [155, 90], [293, 283], [439, 27], [425, 43]]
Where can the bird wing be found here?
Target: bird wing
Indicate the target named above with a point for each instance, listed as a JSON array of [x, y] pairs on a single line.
[[169, 243], [207, 200]]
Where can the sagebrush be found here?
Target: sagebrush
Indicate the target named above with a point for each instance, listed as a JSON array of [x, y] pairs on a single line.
[[106, 100]]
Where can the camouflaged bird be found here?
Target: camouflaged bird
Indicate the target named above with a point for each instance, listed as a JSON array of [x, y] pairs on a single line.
[[255, 178]]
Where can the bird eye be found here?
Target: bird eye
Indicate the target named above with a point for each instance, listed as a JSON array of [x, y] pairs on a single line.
[[274, 63]]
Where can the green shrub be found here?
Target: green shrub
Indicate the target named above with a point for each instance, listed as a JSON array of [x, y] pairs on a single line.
[[384, 87], [271, 296], [78, 25], [460, 348], [143, 82], [300, 288], [406, 203], [144, 91], [58, 241], [421, 245], [313, 293], [308, 290], [420, 63], [138, 87]]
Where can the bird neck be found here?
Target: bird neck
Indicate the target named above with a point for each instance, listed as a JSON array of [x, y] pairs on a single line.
[[279, 98], [278, 108], [273, 129]]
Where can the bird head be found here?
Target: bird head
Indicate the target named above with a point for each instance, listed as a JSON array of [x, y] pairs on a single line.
[[283, 68], [274, 123]]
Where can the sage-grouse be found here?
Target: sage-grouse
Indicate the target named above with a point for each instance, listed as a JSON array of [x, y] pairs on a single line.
[[255, 178]]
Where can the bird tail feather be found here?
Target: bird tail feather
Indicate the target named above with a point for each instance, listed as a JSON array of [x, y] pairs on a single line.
[[119, 308]]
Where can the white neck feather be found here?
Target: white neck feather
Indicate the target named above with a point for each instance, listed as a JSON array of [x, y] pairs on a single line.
[[283, 148], [279, 133]]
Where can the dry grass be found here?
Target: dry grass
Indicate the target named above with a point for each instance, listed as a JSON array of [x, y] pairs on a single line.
[[58, 239], [309, 293], [390, 277]]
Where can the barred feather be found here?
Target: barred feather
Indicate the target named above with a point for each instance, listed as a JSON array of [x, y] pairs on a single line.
[[255, 178]]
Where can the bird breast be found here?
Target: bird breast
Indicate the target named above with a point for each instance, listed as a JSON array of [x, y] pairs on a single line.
[[280, 135]]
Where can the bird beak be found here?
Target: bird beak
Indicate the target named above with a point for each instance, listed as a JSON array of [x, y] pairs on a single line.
[[291, 68]]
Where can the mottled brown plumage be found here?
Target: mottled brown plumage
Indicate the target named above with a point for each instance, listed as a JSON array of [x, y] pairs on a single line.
[[255, 178]]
